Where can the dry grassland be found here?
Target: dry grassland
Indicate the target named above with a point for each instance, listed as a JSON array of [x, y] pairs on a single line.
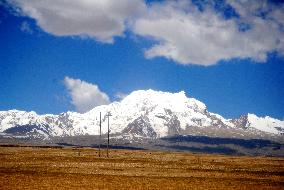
[[70, 168]]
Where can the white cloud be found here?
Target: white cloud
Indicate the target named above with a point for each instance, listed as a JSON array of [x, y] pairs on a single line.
[[120, 95], [190, 36], [85, 96], [181, 31], [99, 19]]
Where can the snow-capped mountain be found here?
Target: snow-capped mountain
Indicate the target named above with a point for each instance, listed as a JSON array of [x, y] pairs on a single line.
[[144, 114]]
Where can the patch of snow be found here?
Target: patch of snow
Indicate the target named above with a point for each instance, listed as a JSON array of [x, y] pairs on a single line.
[[266, 124], [159, 107]]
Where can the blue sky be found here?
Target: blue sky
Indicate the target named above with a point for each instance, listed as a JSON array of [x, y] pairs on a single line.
[[37, 55]]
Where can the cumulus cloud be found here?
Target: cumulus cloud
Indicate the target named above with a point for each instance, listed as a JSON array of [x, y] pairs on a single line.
[[120, 95], [188, 35], [181, 31], [102, 20], [85, 96]]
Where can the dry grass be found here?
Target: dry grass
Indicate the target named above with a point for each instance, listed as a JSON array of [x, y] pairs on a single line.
[[50, 168]]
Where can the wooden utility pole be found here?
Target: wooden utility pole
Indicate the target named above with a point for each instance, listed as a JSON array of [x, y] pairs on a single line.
[[100, 134], [108, 115]]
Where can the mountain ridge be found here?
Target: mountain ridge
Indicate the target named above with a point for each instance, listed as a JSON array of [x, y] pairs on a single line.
[[142, 114]]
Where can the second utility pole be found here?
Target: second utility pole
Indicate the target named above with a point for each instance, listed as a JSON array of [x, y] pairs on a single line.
[[100, 134], [108, 114]]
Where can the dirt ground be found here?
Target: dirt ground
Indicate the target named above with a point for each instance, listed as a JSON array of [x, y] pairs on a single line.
[[73, 168]]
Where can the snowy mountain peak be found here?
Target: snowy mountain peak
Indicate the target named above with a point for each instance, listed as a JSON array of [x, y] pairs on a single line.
[[266, 124], [157, 97], [175, 101], [143, 113]]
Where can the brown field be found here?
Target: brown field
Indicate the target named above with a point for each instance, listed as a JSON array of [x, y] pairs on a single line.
[[71, 168]]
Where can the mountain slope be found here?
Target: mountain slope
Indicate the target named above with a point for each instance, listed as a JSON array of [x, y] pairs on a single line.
[[143, 114]]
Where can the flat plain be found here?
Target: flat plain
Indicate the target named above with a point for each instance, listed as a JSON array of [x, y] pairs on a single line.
[[82, 168]]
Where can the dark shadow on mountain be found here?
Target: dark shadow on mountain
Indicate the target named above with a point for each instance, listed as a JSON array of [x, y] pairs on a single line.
[[117, 147], [67, 144], [250, 143], [24, 129], [206, 149], [102, 146], [33, 146]]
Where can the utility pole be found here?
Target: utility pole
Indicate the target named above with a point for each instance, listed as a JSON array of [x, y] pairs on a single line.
[[108, 115], [100, 134]]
